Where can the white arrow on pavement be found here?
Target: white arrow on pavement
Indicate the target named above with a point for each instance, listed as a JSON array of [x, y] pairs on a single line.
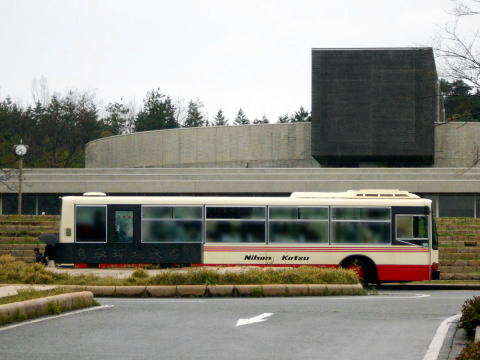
[[253, 320]]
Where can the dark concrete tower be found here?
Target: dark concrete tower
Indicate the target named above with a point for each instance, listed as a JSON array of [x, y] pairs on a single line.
[[373, 106]]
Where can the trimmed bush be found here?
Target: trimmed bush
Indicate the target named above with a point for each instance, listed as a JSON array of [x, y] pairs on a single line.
[[470, 352], [470, 315], [16, 272], [301, 275]]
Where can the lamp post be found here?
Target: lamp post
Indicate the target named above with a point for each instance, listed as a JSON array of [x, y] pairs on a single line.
[[20, 151]]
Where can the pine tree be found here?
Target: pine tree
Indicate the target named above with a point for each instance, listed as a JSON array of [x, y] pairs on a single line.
[[219, 119], [158, 113], [301, 115], [194, 115], [282, 119], [241, 119], [263, 120]]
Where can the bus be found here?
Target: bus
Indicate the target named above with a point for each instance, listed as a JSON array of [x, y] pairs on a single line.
[[385, 235]]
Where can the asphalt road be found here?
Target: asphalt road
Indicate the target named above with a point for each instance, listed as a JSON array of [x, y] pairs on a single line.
[[397, 325]]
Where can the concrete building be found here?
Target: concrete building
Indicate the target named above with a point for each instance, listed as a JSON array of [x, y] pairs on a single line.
[[254, 146], [374, 106], [278, 159]]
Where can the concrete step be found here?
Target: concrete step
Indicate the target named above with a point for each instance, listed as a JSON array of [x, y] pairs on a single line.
[[458, 256], [29, 223], [22, 227], [457, 227], [459, 269], [447, 244], [456, 250], [459, 276], [29, 218], [18, 253], [20, 234], [460, 262], [459, 238], [458, 232], [456, 221], [9, 247], [19, 240]]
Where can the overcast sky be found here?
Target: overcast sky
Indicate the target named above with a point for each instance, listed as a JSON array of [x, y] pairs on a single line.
[[229, 54]]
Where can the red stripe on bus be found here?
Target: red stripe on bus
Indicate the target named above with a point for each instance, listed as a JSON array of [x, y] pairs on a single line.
[[315, 247], [403, 272]]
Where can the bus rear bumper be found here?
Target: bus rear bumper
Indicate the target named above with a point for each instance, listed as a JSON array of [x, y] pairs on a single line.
[[435, 274]]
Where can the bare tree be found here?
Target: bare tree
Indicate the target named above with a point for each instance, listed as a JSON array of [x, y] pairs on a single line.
[[40, 93], [5, 176], [458, 50], [180, 111], [132, 107]]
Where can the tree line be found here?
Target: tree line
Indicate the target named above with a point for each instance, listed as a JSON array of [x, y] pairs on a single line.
[[57, 128], [461, 101]]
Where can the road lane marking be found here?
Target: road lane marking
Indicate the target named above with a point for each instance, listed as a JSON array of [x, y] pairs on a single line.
[[439, 337], [256, 319], [52, 317]]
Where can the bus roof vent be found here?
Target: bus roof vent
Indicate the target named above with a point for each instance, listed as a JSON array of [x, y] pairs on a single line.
[[94, 193], [385, 193], [364, 194]]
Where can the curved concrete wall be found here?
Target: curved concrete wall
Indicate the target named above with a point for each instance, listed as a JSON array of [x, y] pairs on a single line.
[[256, 146], [270, 145], [457, 144]]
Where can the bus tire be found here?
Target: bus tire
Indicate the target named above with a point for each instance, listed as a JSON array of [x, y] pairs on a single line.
[[364, 267]]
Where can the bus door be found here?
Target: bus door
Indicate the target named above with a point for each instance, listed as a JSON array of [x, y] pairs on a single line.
[[124, 225]]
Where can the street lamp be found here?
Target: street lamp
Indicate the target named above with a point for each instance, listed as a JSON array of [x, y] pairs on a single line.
[[20, 151]]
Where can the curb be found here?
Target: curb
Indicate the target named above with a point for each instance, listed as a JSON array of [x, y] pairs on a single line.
[[454, 342], [220, 290], [429, 287], [27, 309]]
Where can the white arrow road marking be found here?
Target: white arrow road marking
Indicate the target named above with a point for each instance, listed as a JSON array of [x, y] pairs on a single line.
[[253, 320]]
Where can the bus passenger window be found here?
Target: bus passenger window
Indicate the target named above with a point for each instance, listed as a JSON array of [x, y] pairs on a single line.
[[171, 224], [298, 224], [90, 223], [360, 225], [231, 224]]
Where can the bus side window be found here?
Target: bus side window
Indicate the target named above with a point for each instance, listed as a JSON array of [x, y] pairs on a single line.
[[91, 223], [412, 229]]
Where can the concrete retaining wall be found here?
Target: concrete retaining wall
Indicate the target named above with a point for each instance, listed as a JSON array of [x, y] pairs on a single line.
[[457, 144], [222, 290], [37, 307], [272, 145]]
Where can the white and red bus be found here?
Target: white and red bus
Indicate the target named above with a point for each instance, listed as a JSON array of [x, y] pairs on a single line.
[[387, 235]]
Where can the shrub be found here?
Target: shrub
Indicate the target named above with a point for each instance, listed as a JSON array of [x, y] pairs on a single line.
[[12, 272], [470, 315], [301, 275], [16, 272], [470, 352], [54, 309], [140, 273]]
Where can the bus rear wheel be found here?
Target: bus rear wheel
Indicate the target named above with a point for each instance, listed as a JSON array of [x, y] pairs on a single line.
[[362, 268]]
